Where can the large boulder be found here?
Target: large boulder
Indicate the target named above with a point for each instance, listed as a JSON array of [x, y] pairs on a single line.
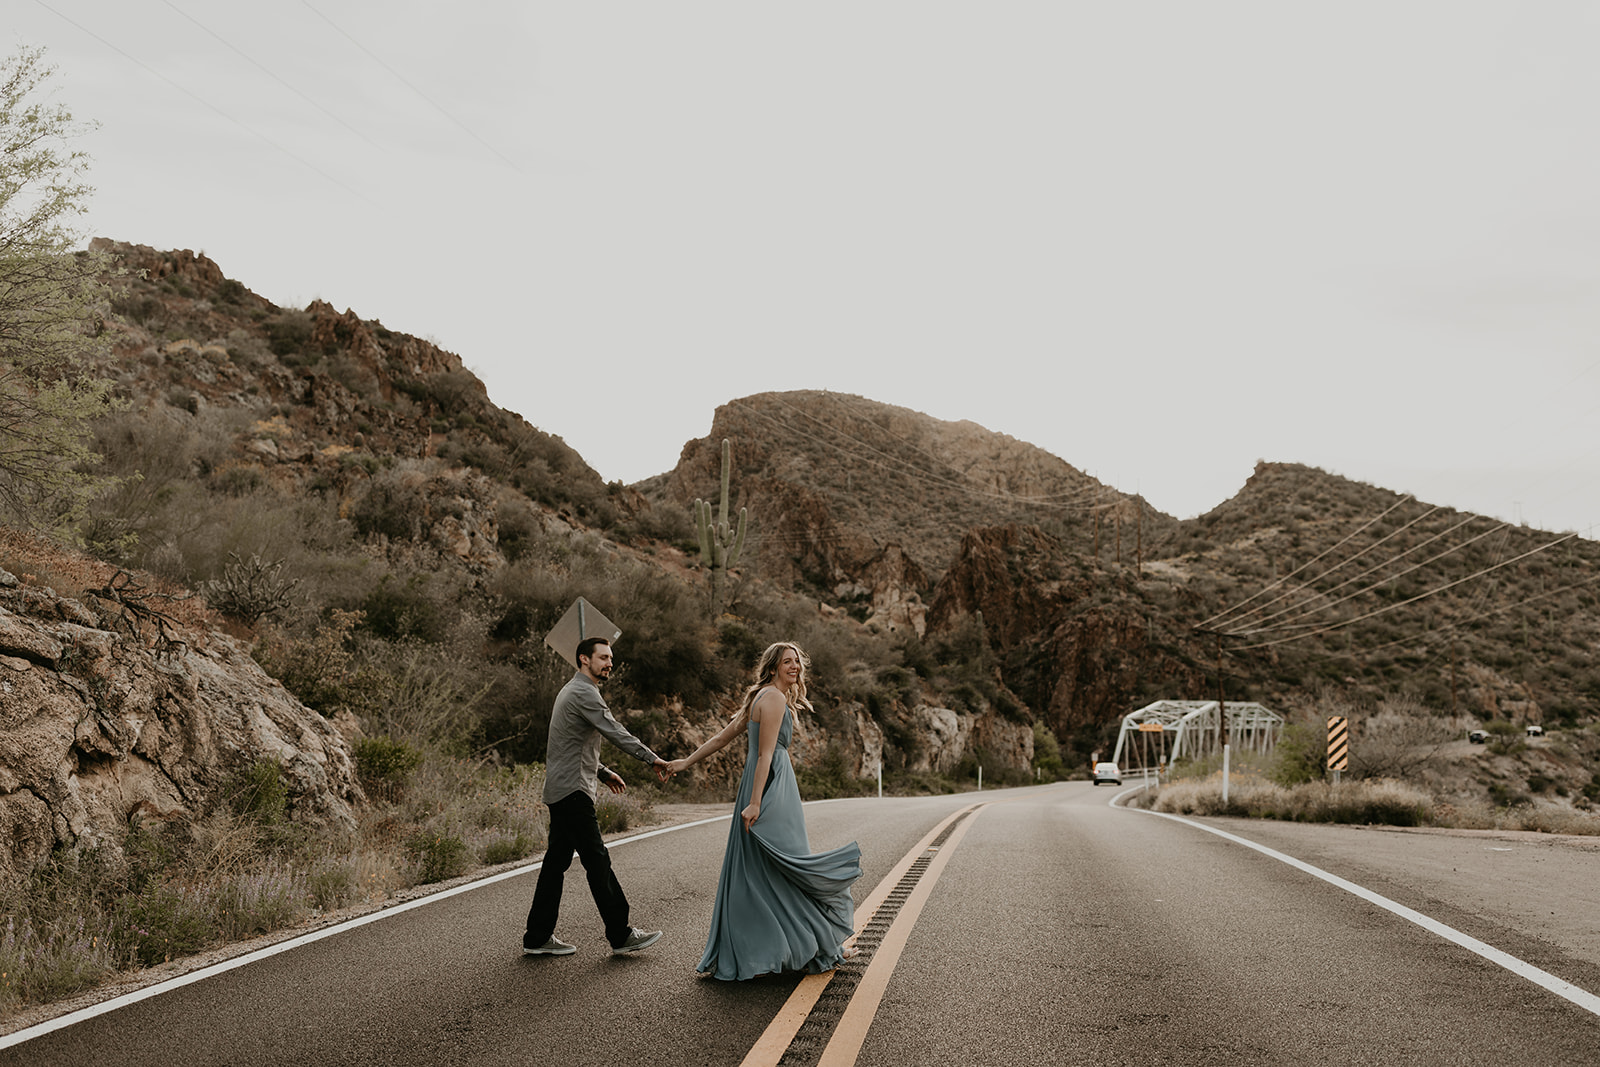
[[98, 728]]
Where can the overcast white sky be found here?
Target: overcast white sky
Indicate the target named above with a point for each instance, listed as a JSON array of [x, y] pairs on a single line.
[[1160, 240]]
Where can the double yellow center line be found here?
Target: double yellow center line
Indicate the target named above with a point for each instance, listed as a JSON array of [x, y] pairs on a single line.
[[845, 1044]]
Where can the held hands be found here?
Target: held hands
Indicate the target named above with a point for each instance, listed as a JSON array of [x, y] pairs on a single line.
[[665, 769]]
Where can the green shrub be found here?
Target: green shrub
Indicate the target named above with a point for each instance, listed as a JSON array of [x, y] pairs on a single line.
[[1507, 746], [1505, 796], [613, 813], [42, 965], [162, 923], [143, 310], [384, 764], [424, 695], [290, 333], [405, 611], [507, 848], [257, 903], [319, 670], [392, 507], [1373, 801], [330, 885], [239, 479], [1047, 754], [1302, 756], [258, 793], [438, 856], [829, 777]]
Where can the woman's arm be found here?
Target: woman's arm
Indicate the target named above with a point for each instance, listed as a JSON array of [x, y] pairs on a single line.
[[768, 712], [714, 745]]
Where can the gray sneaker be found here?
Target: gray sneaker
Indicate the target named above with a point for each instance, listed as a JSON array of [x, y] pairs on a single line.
[[552, 947], [636, 940]]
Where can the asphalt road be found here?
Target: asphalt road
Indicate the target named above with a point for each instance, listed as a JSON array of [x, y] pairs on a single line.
[[1055, 929]]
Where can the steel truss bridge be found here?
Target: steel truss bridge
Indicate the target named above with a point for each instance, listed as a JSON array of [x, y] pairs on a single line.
[[1170, 730]]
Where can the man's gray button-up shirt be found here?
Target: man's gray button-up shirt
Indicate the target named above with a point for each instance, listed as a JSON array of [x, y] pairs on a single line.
[[572, 754]]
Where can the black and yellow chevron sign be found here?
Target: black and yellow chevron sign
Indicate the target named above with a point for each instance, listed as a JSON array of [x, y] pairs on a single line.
[[1338, 743]]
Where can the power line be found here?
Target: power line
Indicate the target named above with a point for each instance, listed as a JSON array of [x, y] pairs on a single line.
[[271, 74], [1376, 585], [407, 83], [1375, 567], [1205, 623], [202, 100], [1350, 559], [1403, 603], [1456, 624]]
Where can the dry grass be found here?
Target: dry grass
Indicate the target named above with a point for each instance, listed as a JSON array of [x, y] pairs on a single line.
[[1375, 801], [236, 874], [1372, 801], [41, 563], [1547, 819]]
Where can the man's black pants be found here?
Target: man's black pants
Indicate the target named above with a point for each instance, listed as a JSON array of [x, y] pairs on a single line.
[[574, 828]]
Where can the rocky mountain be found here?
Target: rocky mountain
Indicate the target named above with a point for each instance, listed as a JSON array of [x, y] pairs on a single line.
[[1095, 604], [956, 586], [909, 523], [867, 504], [1090, 598]]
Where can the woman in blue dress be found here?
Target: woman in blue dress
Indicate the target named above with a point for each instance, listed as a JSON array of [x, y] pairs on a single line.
[[780, 907]]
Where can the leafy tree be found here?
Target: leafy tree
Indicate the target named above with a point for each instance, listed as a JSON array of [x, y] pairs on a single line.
[[51, 302], [1302, 755]]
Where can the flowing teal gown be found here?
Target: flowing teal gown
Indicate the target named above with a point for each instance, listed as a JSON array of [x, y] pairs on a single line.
[[779, 906]]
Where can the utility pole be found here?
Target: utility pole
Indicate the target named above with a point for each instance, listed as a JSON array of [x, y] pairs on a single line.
[[1119, 537], [1139, 540], [1222, 721], [1452, 676], [1222, 704]]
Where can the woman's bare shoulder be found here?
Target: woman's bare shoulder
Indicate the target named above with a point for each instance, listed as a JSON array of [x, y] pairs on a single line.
[[767, 702]]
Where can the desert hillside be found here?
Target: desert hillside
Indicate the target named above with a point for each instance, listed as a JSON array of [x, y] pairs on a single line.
[[934, 567]]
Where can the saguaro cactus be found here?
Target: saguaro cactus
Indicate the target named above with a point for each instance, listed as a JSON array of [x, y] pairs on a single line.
[[719, 546]]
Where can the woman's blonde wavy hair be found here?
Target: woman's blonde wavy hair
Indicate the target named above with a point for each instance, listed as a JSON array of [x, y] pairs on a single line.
[[767, 670]]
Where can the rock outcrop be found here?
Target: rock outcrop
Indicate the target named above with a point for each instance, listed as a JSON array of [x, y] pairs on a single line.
[[1080, 641], [98, 728]]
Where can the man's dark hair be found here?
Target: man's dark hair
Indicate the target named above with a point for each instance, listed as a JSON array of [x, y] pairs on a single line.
[[587, 646]]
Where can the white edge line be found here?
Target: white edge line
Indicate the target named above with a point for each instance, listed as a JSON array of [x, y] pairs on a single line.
[[116, 1003], [1559, 986]]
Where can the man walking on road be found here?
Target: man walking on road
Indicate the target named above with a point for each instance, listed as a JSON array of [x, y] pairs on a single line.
[[572, 776]]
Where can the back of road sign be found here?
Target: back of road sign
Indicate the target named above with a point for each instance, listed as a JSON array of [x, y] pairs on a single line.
[[580, 621]]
